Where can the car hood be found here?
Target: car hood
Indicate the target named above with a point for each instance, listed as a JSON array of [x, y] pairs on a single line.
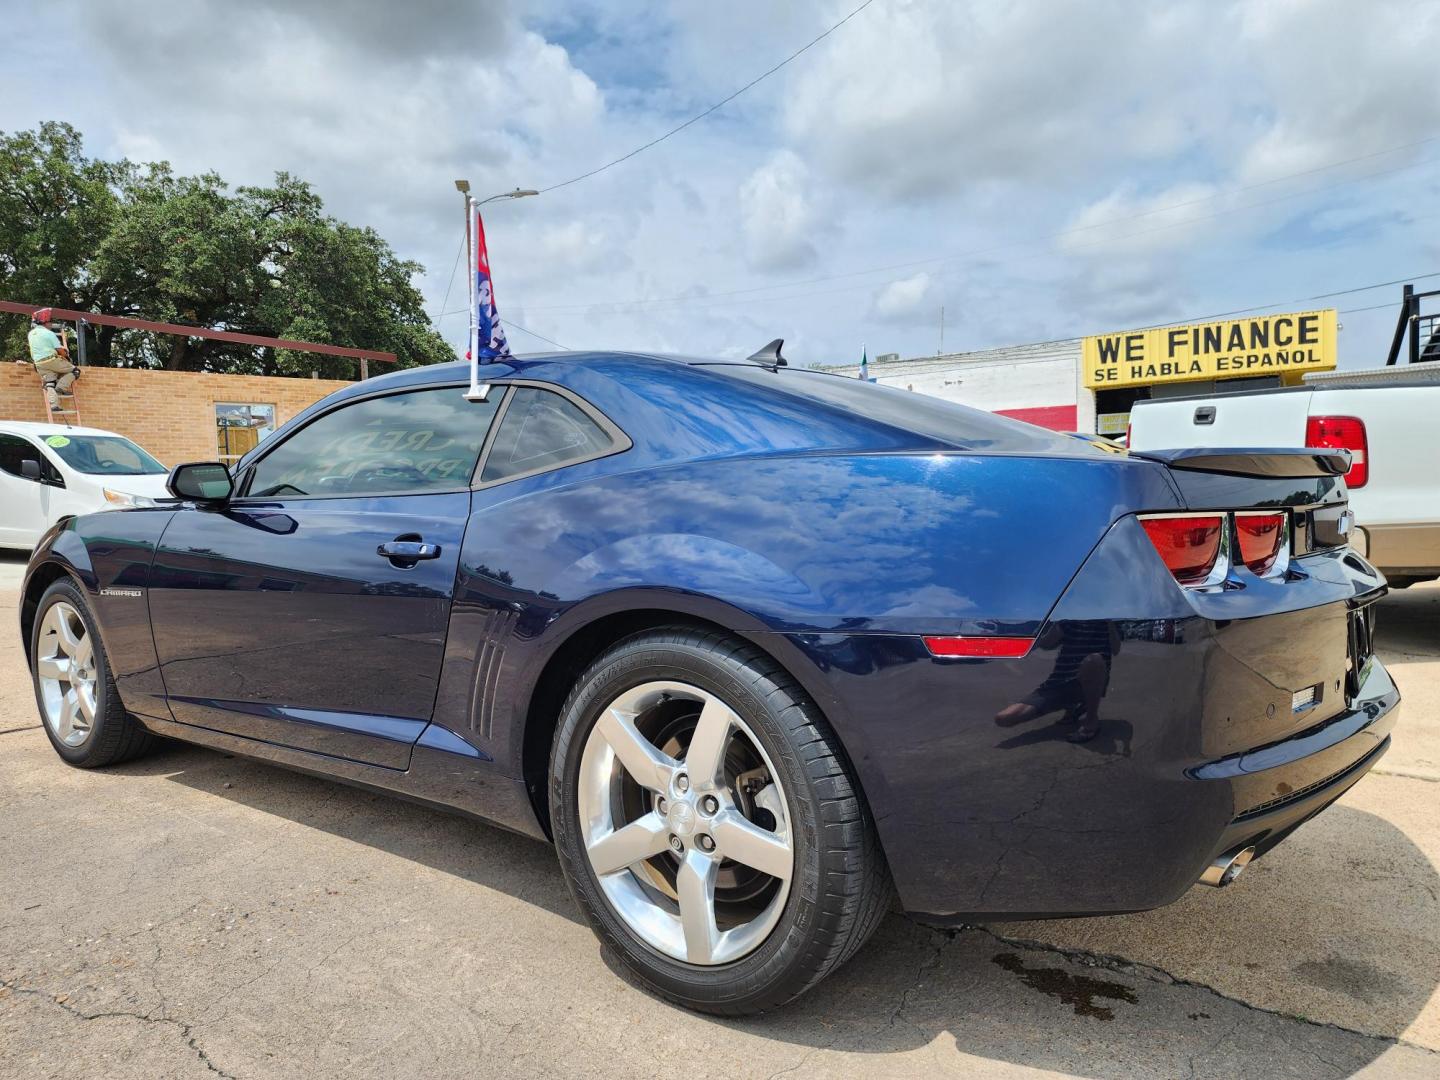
[[151, 484]]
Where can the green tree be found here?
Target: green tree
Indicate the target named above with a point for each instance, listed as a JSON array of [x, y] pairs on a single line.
[[125, 239], [53, 203]]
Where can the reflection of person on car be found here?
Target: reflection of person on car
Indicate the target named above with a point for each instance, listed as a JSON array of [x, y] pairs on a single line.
[[1076, 683]]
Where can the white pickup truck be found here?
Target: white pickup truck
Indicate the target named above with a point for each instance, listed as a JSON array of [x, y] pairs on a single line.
[[1387, 417]]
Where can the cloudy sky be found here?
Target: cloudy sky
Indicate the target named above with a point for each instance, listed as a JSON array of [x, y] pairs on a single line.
[[1041, 170]]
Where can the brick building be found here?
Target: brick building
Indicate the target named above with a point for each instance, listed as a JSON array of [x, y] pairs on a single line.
[[175, 415]]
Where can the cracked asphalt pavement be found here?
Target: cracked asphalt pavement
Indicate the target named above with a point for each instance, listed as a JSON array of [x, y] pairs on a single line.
[[194, 915]]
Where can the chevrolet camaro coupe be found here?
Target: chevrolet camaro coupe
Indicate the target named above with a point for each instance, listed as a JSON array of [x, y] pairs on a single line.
[[763, 651]]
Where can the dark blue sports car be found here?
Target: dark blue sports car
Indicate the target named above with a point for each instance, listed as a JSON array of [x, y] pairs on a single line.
[[759, 649]]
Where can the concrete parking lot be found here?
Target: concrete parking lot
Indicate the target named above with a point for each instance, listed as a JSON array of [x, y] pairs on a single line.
[[195, 914]]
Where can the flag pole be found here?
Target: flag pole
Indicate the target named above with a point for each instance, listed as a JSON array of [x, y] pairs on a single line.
[[477, 392]]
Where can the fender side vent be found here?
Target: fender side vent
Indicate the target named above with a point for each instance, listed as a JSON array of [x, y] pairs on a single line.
[[498, 625]]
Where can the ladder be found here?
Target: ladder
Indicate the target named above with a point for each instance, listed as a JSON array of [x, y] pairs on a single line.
[[69, 411]]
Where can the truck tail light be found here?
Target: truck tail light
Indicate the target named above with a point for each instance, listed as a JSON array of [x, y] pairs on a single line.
[[989, 647], [1342, 433], [1259, 536], [1189, 544]]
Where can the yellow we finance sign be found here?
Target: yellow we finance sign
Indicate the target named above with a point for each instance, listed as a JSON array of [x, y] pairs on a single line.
[[1264, 345]]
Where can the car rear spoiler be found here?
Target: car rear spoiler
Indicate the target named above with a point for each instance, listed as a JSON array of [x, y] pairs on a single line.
[[1265, 462]]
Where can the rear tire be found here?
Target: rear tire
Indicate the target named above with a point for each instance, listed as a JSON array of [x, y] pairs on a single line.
[[781, 781], [74, 689]]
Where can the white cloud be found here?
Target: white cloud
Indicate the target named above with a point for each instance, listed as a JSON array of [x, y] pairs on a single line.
[[1122, 293], [1339, 80], [1126, 223], [930, 99], [956, 138], [576, 245], [902, 299], [778, 215]]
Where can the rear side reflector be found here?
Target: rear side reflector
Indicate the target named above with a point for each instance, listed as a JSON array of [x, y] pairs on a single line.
[[1188, 543], [1007, 647], [1342, 433], [1259, 537]]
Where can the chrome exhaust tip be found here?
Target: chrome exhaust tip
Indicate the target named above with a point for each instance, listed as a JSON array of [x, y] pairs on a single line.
[[1227, 868]]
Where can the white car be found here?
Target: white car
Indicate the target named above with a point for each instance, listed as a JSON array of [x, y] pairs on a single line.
[[49, 472]]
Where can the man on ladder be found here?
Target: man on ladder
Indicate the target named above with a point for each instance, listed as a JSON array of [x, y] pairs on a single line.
[[51, 358]]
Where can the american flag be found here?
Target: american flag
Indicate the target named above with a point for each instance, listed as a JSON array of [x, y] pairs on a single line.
[[491, 338]]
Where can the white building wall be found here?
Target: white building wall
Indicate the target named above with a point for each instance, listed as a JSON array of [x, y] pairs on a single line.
[[1084, 397], [1017, 377]]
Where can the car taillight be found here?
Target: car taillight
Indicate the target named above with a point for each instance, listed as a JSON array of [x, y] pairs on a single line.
[[1342, 433], [1188, 543], [1259, 536], [1008, 647]]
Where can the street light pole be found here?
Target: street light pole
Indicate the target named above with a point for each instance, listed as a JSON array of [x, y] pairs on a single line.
[[478, 391]]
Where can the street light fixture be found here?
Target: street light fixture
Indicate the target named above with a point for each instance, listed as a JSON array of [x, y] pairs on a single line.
[[478, 391], [518, 193]]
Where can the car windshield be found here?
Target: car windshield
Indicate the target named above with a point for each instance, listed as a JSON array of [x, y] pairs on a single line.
[[103, 455]]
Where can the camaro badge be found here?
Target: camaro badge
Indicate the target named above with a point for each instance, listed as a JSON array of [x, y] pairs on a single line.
[[121, 592]]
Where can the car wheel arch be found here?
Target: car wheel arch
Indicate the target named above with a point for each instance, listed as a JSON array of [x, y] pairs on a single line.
[[589, 640], [40, 579]]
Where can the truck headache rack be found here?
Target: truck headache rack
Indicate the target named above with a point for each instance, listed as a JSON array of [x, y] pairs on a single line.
[[1423, 330]]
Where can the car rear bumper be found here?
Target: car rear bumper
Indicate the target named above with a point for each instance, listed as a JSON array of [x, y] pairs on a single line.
[[1278, 788], [1205, 743]]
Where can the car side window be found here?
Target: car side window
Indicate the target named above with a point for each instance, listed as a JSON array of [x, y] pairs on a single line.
[[407, 443], [14, 450], [542, 430]]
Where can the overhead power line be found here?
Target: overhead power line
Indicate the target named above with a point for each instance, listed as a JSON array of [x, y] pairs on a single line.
[[711, 300], [684, 299], [1372, 307], [718, 105], [451, 283], [532, 333], [655, 142], [1190, 319], [507, 321]]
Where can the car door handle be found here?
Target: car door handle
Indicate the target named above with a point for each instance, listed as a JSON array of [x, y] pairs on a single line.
[[408, 550]]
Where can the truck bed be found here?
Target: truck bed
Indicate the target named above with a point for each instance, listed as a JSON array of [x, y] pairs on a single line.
[[1397, 509]]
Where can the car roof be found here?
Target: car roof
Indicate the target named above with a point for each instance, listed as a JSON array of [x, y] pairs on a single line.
[[676, 406], [30, 427]]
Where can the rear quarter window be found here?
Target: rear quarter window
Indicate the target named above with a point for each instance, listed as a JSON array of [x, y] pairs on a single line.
[[945, 421], [542, 430]]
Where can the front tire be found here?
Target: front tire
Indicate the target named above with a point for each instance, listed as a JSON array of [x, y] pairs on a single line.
[[708, 825], [79, 706]]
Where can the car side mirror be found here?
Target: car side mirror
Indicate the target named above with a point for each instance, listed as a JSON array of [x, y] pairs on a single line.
[[201, 481], [30, 469]]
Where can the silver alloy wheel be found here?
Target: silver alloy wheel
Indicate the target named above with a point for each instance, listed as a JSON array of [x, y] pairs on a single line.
[[65, 666], [695, 829]]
